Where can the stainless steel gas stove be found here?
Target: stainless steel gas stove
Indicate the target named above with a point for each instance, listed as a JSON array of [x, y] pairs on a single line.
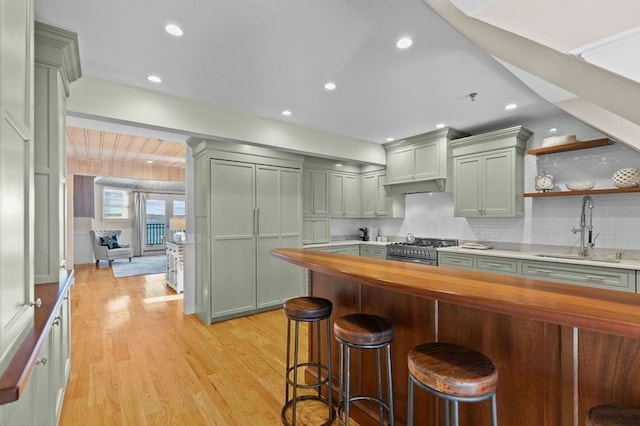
[[418, 250]]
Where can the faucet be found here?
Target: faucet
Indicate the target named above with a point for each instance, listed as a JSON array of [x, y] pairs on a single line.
[[585, 228]]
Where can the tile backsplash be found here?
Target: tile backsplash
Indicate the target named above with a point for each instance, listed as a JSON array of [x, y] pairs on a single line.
[[547, 221]]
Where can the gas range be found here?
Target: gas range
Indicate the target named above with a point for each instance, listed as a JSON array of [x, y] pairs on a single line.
[[420, 250]]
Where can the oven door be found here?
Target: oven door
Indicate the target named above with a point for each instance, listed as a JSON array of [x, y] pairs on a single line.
[[412, 260]]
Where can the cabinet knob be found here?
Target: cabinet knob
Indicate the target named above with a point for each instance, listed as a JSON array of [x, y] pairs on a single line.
[[42, 361], [57, 320], [37, 303]]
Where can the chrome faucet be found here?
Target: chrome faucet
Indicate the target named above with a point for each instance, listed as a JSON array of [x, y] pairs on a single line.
[[585, 228]]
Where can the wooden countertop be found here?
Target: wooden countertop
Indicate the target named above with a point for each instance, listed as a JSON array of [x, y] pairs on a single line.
[[15, 377], [606, 311]]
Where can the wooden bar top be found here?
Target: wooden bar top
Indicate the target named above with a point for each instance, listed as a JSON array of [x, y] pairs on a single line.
[[606, 311]]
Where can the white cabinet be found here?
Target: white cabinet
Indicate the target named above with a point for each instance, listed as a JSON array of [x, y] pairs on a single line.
[[345, 195], [250, 205], [488, 176], [16, 174], [375, 200], [175, 266], [315, 230], [315, 191]]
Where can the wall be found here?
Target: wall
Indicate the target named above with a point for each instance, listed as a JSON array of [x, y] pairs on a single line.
[[546, 220]]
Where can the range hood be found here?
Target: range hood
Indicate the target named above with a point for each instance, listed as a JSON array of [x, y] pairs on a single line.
[[430, 185]]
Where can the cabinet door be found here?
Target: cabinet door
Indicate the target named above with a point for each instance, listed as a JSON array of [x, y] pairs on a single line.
[[401, 164], [352, 195], [233, 248], [337, 201], [383, 201], [369, 195], [320, 191], [16, 173], [292, 276], [467, 186], [498, 181], [427, 161]]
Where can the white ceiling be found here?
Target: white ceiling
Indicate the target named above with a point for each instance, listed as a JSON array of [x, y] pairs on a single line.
[[264, 56]]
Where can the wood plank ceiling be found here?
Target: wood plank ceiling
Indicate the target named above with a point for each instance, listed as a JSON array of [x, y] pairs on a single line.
[[87, 144]]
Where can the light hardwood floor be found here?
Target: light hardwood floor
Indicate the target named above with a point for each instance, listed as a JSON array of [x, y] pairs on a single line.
[[137, 360]]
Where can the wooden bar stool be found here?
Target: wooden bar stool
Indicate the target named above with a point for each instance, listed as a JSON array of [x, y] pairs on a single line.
[[454, 373], [310, 310], [363, 331], [613, 415]]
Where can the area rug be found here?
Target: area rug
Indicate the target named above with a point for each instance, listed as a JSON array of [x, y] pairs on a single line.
[[143, 265]]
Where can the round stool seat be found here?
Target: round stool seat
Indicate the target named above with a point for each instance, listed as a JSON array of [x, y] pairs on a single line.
[[453, 369], [614, 415], [307, 308], [363, 329]]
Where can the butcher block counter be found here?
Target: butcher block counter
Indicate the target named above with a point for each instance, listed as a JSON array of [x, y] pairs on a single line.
[[559, 348]]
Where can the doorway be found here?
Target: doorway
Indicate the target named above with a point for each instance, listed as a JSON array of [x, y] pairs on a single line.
[[159, 210]]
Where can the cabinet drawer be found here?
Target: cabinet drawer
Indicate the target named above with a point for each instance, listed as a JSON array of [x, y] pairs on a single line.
[[352, 250], [590, 276], [497, 264], [456, 260]]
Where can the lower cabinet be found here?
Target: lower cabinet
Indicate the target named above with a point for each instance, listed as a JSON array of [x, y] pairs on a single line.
[[40, 403], [379, 252], [353, 250], [585, 275]]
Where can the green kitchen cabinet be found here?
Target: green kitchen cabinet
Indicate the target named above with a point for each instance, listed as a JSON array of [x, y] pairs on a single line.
[[378, 252], [488, 173], [252, 203], [315, 192], [344, 195], [352, 249], [315, 230], [375, 200]]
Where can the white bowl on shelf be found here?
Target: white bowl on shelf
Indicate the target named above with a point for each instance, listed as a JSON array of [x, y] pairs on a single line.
[[580, 186]]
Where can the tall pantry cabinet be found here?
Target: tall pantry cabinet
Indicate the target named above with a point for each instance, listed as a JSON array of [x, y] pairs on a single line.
[[248, 200]]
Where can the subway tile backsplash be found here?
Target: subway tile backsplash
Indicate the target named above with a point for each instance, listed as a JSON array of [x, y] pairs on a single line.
[[547, 221]]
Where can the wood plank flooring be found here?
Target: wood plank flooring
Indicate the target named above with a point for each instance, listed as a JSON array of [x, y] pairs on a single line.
[[137, 360]]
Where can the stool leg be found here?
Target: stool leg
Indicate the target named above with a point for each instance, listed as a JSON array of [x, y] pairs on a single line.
[[410, 402], [286, 383], [295, 374], [447, 412], [319, 357], [455, 412], [494, 411], [380, 407], [390, 385], [330, 381], [348, 386]]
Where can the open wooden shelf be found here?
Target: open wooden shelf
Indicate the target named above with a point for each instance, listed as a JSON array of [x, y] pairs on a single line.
[[570, 146], [589, 192]]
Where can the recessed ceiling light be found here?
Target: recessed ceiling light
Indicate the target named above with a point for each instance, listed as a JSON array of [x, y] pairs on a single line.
[[149, 161], [330, 86], [154, 79], [440, 125], [338, 165], [404, 43], [286, 112], [553, 130], [510, 107], [389, 139], [174, 30]]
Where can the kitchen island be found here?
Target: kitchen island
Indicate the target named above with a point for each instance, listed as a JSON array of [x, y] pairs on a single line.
[[559, 349]]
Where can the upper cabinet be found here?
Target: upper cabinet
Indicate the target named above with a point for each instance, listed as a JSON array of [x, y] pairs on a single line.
[[488, 173], [420, 163], [376, 201], [315, 192], [344, 195]]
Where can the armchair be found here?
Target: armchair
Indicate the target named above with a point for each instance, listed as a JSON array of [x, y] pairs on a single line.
[[104, 252]]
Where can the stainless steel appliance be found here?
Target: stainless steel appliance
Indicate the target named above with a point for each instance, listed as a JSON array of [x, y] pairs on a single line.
[[419, 250]]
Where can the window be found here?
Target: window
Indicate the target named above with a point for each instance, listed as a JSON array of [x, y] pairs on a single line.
[[115, 204]]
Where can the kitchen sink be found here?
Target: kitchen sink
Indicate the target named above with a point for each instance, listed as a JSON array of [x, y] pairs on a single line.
[[577, 257]]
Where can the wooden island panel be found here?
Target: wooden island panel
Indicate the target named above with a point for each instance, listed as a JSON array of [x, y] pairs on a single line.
[[560, 349]]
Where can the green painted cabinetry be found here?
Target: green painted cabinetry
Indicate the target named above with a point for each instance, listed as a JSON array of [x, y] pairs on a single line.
[[248, 201], [376, 202], [344, 195], [315, 230], [488, 173], [378, 252], [315, 190]]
